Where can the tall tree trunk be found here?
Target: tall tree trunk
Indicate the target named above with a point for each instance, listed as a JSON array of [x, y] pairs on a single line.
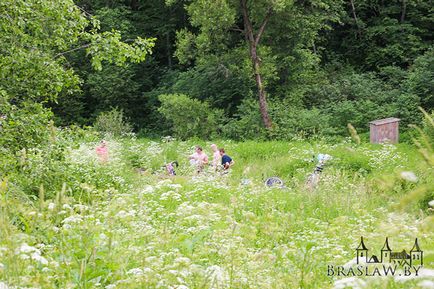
[[134, 5], [256, 62], [168, 50], [403, 10], [263, 107]]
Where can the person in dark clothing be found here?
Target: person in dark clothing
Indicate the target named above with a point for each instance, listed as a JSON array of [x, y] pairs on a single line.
[[227, 161]]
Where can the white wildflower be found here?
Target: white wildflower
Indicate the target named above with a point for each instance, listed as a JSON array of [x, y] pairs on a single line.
[[51, 206], [72, 219], [26, 249], [424, 272], [37, 257], [182, 260], [2, 266], [409, 176], [67, 226], [431, 203], [351, 282], [147, 270], [66, 207], [218, 276], [135, 271], [3, 286], [426, 284], [24, 257], [121, 214], [179, 287], [148, 189]]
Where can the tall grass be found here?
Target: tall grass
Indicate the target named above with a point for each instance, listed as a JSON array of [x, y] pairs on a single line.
[[126, 224]]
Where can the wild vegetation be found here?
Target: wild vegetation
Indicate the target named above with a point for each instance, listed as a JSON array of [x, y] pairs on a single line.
[[78, 223]]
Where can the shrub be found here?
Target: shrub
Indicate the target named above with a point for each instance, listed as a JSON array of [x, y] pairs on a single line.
[[190, 117], [288, 122], [247, 123], [25, 126], [113, 123]]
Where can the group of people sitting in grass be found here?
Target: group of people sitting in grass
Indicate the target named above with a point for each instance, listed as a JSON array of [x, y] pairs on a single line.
[[199, 159]]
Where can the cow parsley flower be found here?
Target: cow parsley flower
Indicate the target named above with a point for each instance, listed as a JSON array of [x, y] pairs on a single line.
[[409, 176]]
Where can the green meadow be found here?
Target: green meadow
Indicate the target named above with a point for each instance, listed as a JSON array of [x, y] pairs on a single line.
[[127, 224]]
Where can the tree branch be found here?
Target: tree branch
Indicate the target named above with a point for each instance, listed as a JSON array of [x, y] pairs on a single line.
[[247, 24], [83, 46], [237, 29], [71, 50], [262, 28]]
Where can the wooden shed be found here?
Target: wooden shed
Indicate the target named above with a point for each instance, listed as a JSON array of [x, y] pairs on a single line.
[[384, 130]]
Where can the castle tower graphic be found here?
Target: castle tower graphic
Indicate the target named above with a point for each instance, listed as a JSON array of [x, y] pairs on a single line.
[[414, 258], [385, 252], [416, 255], [362, 252]]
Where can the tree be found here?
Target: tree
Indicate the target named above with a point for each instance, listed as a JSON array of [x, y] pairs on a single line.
[[37, 34], [223, 26]]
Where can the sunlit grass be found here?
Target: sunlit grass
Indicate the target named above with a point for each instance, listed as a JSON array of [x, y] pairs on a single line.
[[115, 226]]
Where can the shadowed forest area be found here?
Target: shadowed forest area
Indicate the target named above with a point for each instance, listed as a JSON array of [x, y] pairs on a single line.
[[323, 64]]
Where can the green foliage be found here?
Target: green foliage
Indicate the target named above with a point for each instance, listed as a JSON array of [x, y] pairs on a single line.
[[107, 46], [421, 79], [358, 98], [113, 85], [112, 123], [246, 124], [33, 35], [375, 34], [25, 126], [37, 35], [190, 117]]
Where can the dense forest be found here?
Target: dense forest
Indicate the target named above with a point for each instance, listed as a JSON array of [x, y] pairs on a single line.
[[220, 68]]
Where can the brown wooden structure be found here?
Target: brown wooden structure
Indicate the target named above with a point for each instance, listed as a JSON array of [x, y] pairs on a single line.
[[384, 130]]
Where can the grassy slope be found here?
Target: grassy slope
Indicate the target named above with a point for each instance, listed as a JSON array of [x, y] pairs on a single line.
[[208, 231]]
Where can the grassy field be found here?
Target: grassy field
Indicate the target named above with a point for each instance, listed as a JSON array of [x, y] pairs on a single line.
[[126, 224]]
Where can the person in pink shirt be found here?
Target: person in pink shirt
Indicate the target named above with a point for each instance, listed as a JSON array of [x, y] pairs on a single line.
[[102, 151], [216, 156], [198, 159]]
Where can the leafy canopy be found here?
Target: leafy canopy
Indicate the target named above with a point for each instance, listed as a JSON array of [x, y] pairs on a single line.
[[37, 34]]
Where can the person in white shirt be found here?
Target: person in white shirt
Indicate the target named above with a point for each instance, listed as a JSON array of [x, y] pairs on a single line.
[[216, 158]]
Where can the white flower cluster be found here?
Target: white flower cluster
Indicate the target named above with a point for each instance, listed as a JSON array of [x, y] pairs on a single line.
[[28, 252]]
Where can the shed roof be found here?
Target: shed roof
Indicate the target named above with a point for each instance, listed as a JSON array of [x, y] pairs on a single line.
[[384, 121]]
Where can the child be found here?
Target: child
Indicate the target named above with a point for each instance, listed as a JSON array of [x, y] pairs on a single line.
[[227, 161], [102, 151], [170, 168], [216, 156]]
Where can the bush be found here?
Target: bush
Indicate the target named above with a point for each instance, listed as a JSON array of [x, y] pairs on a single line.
[[293, 121], [25, 126], [113, 123], [247, 123], [288, 122], [421, 79], [190, 117], [358, 98]]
